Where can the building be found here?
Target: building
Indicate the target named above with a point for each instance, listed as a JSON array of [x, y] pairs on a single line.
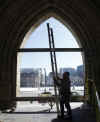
[[72, 71], [30, 77], [80, 71]]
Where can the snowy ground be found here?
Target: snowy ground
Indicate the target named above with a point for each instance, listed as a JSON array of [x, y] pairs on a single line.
[[36, 91]]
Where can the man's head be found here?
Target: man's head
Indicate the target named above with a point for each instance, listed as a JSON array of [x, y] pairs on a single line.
[[66, 75]]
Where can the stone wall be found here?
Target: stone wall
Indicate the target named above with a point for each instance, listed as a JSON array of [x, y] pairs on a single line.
[[17, 17]]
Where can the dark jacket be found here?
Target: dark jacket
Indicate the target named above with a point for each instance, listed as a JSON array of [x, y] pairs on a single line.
[[64, 88]]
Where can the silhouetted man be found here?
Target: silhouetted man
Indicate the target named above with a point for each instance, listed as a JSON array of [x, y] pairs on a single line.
[[64, 92]]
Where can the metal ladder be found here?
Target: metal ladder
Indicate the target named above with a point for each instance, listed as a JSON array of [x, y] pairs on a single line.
[[53, 64]]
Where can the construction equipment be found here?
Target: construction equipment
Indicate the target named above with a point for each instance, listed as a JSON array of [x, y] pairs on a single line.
[[53, 64]]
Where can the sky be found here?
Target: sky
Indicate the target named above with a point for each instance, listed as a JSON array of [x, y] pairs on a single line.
[[39, 39]]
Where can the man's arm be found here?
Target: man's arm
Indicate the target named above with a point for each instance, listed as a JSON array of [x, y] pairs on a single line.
[[57, 81]]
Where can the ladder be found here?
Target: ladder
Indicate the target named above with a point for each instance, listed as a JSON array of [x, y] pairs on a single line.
[[53, 64]]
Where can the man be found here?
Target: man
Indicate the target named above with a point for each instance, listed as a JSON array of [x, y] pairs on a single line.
[[64, 92]]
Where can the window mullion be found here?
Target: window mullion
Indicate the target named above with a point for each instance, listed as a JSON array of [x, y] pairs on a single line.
[[48, 50]]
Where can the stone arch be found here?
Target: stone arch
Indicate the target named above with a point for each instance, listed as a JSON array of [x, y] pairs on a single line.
[[44, 18], [21, 22], [78, 29]]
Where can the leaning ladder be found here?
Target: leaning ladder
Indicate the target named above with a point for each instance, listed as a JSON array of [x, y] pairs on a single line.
[[53, 64]]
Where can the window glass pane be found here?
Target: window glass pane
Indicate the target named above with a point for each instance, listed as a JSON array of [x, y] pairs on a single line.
[[69, 59], [62, 36], [35, 60], [72, 62], [35, 71]]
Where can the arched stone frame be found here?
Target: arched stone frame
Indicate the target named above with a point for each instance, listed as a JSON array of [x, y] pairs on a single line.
[[21, 26], [43, 18]]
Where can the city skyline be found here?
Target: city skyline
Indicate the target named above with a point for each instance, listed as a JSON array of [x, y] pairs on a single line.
[[30, 77], [29, 70]]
